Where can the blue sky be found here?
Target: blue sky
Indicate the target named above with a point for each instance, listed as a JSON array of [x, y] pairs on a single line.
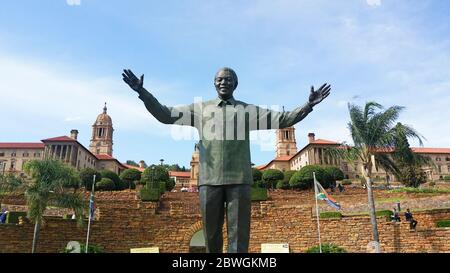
[[60, 60]]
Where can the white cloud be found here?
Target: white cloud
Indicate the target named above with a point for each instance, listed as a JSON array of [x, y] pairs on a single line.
[[73, 2], [373, 2], [70, 119]]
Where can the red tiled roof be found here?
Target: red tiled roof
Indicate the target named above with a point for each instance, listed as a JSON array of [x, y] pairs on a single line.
[[180, 174], [21, 145], [134, 167], [324, 142], [283, 158], [431, 150], [59, 139]]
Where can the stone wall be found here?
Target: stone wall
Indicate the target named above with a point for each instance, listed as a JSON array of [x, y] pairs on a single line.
[[123, 222]]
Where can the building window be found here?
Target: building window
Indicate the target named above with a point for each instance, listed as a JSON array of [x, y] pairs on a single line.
[[13, 165], [37, 155], [447, 159], [25, 154], [438, 159], [2, 154], [13, 154], [439, 168], [448, 168]]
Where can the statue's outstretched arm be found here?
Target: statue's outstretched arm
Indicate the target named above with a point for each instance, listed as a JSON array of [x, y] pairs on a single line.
[[181, 115]]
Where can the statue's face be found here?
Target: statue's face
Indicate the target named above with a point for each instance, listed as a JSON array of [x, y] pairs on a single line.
[[225, 84]]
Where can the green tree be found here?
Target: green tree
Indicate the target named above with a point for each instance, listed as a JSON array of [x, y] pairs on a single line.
[[130, 177], [87, 176], [119, 185], [48, 188], [409, 163], [105, 184], [334, 173], [373, 133], [271, 177], [304, 178], [257, 174], [155, 174], [132, 163]]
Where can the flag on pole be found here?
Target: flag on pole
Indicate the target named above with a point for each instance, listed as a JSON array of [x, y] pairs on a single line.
[[91, 204], [323, 195]]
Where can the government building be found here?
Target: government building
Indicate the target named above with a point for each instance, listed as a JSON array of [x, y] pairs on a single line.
[[288, 157]]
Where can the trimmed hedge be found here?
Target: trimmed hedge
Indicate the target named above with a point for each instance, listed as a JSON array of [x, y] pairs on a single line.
[[303, 179], [129, 177], [384, 213], [443, 223], [118, 184], [326, 248], [447, 178], [105, 184], [13, 217], [259, 194], [149, 194], [330, 214]]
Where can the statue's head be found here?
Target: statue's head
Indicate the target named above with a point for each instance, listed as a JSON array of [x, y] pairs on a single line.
[[225, 82]]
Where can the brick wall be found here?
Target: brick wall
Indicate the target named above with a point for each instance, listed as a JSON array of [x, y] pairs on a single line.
[[124, 222]]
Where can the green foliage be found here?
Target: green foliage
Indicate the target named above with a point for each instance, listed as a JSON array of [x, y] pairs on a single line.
[[258, 194], [170, 184], [149, 194], [304, 179], [154, 173], [13, 216], [10, 184], [272, 176], [130, 177], [257, 174], [384, 213], [288, 175], [283, 185], [334, 173], [447, 178], [443, 223], [106, 184], [330, 214], [132, 163], [420, 190], [326, 248], [87, 176], [118, 184], [162, 187], [346, 182]]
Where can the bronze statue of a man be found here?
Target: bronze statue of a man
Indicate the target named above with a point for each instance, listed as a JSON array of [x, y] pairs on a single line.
[[225, 175]]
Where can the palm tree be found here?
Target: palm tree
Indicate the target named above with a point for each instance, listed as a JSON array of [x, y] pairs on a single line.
[[48, 187], [374, 134]]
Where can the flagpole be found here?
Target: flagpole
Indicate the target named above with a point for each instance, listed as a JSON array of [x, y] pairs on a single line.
[[89, 223], [317, 212]]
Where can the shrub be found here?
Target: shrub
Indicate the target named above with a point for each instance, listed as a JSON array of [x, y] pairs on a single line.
[[326, 248], [330, 214], [334, 173], [118, 184], [346, 182], [162, 187], [154, 173], [283, 185], [388, 213], [443, 223], [87, 175], [170, 184], [105, 184], [129, 177], [257, 174], [13, 216], [272, 176], [447, 178], [149, 194], [258, 194], [304, 179]]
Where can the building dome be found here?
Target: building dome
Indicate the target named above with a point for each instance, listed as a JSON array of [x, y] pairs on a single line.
[[103, 118]]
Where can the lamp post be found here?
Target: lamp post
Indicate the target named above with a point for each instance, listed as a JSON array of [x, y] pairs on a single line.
[[162, 160]]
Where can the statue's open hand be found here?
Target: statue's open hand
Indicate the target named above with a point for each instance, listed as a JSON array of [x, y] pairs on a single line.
[[133, 81], [319, 95]]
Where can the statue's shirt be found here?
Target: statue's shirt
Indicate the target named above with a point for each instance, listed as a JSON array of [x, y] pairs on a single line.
[[224, 131]]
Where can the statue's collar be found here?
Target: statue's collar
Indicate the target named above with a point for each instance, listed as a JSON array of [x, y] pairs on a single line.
[[230, 101]]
